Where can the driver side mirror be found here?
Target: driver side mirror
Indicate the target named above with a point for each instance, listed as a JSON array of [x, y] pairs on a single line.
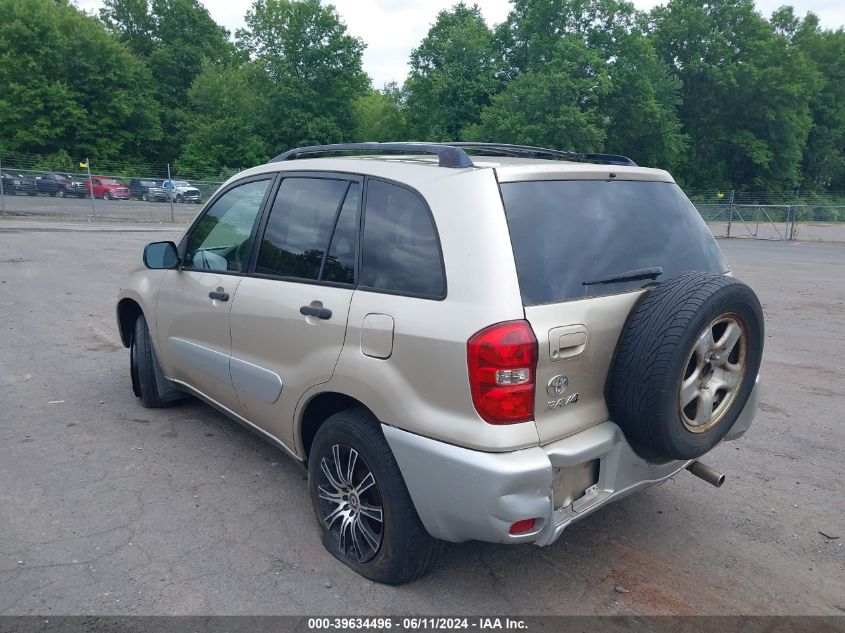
[[161, 255]]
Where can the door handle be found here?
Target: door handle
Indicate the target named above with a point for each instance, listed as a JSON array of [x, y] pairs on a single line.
[[320, 313], [220, 296]]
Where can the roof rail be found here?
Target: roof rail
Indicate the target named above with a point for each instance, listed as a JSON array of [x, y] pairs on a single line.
[[506, 149], [449, 155]]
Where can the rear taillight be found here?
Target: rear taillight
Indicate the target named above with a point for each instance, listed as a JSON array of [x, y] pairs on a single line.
[[502, 361]]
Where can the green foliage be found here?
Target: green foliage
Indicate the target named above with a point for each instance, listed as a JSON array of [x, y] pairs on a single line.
[[174, 38], [639, 99], [454, 74], [824, 157], [311, 67], [554, 107], [379, 116], [746, 93], [223, 120], [709, 89], [68, 85]]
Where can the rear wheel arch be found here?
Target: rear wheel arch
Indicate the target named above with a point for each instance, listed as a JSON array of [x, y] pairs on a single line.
[[319, 409]]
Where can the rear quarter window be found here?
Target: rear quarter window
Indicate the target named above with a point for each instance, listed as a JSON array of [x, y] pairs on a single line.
[[401, 251], [567, 232]]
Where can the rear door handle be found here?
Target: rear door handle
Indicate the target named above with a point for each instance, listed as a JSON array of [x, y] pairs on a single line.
[[320, 313], [220, 296]]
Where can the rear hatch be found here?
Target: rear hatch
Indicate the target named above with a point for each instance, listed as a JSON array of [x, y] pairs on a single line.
[[570, 239]]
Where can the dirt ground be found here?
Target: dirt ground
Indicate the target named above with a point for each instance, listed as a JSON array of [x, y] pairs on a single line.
[[109, 508]]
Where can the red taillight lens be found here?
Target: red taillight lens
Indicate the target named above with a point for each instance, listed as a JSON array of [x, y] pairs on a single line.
[[521, 527], [502, 362]]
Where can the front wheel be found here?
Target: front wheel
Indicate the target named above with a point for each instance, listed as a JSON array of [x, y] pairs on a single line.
[[106, 195], [61, 193], [179, 198], [366, 516], [148, 381]]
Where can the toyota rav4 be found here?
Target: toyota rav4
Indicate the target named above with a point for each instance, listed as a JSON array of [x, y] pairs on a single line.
[[463, 341]]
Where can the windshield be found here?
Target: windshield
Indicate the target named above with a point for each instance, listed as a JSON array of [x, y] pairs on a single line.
[[109, 181], [568, 233]]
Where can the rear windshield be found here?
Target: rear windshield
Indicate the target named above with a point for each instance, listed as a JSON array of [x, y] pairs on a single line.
[[568, 232]]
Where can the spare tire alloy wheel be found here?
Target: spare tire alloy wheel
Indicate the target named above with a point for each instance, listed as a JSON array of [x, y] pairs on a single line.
[[686, 364], [714, 373], [350, 503]]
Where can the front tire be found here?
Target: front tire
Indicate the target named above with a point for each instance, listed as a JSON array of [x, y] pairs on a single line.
[[366, 516], [106, 195], [179, 198], [148, 381]]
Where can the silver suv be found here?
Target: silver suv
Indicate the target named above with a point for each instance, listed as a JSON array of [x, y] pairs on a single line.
[[464, 341]]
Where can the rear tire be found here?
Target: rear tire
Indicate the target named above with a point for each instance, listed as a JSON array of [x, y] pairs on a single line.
[[393, 550], [148, 381]]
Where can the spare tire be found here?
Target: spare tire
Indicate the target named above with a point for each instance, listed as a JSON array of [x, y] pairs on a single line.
[[686, 363]]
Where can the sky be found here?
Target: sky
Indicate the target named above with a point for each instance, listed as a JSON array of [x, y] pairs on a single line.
[[391, 28]]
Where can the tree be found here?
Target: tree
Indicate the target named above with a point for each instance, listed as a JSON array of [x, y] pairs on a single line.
[[69, 86], [746, 93], [223, 122], [556, 107], [454, 74], [174, 38], [823, 165], [639, 105], [378, 115], [313, 70]]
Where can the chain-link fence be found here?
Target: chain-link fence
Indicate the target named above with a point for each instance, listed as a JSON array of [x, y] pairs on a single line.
[[58, 186], [55, 186], [784, 216]]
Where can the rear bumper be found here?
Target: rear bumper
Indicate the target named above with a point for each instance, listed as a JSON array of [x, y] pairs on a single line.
[[462, 495]]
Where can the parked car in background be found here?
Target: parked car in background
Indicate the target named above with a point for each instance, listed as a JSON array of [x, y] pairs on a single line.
[[10, 183], [61, 185], [147, 190], [27, 185], [108, 188], [182, 191]]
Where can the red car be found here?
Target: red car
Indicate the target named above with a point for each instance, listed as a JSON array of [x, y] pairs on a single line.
[[108, 188]]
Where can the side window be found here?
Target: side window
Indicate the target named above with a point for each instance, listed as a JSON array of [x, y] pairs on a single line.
[[400, 248], [340, 259], [299, 227], [220, 240]]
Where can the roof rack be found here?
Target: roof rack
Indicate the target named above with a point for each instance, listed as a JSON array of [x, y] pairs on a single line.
[[505, 149], [449, 155]]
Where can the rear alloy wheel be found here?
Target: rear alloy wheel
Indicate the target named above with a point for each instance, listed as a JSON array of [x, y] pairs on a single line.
[[350, 503], [365, 513]]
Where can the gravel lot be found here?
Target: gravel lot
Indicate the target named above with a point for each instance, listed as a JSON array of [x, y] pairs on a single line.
[[109, 508]]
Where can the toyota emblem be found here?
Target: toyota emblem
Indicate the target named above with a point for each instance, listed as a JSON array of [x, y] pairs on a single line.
[[557, 386]]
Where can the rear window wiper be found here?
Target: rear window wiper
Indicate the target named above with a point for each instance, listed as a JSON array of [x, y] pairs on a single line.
[[631, 275]]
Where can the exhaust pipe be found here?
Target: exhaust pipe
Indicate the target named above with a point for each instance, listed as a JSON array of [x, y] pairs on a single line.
[[703, 471]]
